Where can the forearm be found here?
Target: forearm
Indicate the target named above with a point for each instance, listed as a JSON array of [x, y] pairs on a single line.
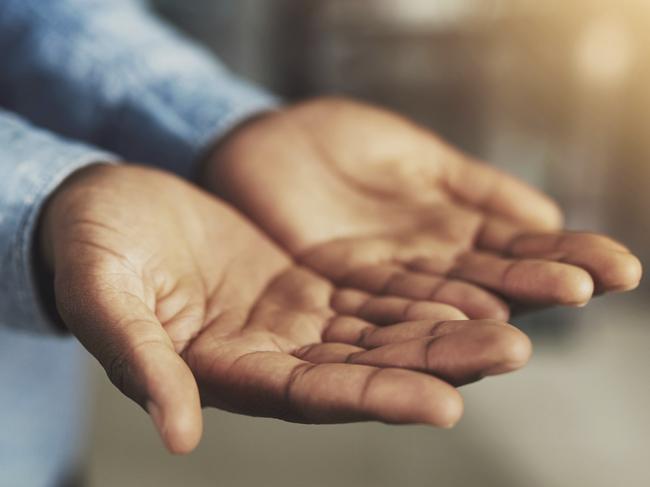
[[33, 163], [111, 74]]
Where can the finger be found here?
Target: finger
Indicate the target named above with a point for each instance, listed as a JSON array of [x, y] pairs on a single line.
[[458, 352], [496, 192], [389, 310], [324, 353], [347, 329], [500, 235], [531, 281], [392, 280], [543, 243], [611, 271], [610, 264], [497, 234], [335, 259], [353, 331], [122, 332], [279, 385]]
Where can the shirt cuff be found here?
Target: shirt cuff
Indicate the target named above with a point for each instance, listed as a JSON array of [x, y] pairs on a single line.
[[246, 104], [41, 163], [172, 127], [32, 303]]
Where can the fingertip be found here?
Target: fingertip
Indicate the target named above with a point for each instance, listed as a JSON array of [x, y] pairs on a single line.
[[519, 352], [449, 411], [441, 409], [514, 351], [553, 218], [183, 437], [502, 312], [423, 310], [575, 287], [625, 276], [495, 309], [455, 314], [174, 402], [531, 206], [408, 397], [180, 431], [540, 209]]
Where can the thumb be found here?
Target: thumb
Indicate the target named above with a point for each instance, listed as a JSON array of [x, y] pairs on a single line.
[[479, 184], [124, 334]]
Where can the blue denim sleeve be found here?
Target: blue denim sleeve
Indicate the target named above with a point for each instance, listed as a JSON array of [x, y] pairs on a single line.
[[110, 73], [32, 164]]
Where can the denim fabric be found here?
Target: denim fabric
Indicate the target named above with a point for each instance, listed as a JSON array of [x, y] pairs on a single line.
[[43, 409], [42, 376], [109, 74], [32, 164]]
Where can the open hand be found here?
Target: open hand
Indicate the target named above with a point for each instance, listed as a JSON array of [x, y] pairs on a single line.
[[376, 203], [185, 304]]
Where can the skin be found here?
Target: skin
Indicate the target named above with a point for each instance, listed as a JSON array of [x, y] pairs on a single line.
[[380, 205], [186, 304]]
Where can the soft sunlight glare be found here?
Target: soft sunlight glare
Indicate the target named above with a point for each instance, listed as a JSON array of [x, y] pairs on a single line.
[[604, 52], [425, 13]]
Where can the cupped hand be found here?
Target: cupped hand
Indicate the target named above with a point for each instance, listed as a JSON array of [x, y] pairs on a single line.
[[185, 304], [372, 201]]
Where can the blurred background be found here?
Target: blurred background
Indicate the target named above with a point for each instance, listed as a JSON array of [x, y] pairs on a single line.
[[557, 92]]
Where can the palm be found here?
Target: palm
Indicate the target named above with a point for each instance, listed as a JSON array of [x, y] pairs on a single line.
[[346, 187], [181, 299], [306, 352]]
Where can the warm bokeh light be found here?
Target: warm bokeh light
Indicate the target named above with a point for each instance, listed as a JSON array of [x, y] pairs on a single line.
[[605, 52]]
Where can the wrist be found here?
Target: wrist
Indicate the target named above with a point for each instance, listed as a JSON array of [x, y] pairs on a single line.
[[208, 167], [264, 130]]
